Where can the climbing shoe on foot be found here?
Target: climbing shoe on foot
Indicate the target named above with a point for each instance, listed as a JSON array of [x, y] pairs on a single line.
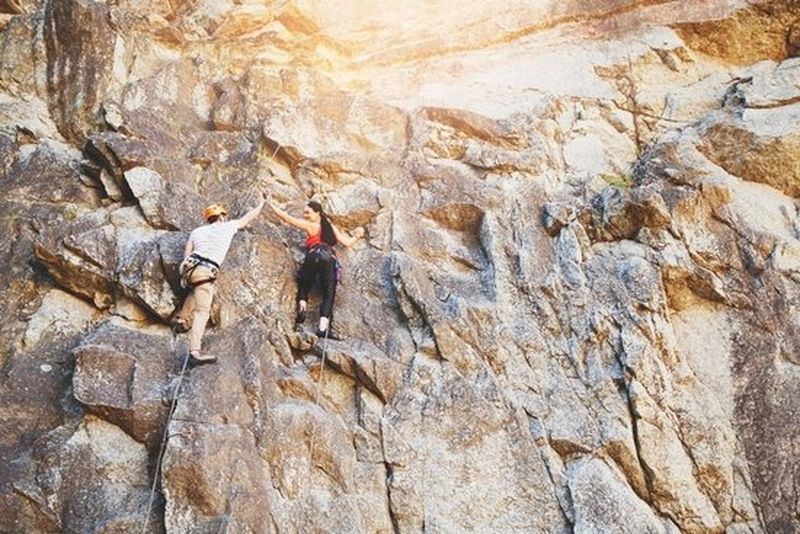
[[300, 318], [331, 335], [201, 359], [179, 326]]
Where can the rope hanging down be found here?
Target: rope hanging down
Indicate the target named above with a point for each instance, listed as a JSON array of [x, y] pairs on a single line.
[[164, 439], [174, 403], [319, 390]]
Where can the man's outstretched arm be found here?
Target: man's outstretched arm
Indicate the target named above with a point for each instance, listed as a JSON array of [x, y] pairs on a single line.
[[251, 215]]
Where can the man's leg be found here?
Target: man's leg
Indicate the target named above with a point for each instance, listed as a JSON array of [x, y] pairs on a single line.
[[183, 319], [203, 295]]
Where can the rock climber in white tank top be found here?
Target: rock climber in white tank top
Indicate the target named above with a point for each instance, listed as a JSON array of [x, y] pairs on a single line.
[[205, 251]]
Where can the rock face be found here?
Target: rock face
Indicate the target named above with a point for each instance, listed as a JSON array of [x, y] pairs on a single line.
[[574, 309]]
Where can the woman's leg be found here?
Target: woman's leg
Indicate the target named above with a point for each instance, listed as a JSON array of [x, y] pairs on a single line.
[[305, 279], [328, 285]]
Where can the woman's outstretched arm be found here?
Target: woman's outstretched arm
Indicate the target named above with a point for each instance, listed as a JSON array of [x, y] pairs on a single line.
[[288, 219], [346, 239]]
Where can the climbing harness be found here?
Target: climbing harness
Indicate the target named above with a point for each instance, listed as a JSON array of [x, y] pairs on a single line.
[[323, 253], [164, 439], [319, 391], [193, 262]]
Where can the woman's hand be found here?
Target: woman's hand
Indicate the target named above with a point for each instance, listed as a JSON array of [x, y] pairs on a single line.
[[273, 206], [358, 233], [288, 219]]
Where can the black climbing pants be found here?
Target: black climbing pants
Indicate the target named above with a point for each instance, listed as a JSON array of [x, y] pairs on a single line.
[[319, 264]]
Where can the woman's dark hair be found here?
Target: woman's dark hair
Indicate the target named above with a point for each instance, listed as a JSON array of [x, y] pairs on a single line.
[[327, 231]]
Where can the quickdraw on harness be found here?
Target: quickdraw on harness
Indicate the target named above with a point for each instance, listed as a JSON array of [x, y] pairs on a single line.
[[193, 262]]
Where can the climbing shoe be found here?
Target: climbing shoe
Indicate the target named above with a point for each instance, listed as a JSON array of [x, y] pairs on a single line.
[[300, 318], [179, 326], [199, 359], [331, 335]]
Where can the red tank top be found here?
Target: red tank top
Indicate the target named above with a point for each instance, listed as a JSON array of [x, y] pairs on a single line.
[[313, 240]]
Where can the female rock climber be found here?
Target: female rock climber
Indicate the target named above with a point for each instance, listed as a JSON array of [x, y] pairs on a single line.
[[320, 262]]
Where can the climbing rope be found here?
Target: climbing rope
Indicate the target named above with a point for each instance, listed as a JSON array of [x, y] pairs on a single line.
[[163, 447], [319, 390]]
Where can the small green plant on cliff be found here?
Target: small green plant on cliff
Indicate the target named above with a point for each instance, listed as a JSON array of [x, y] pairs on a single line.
[[621, 181]]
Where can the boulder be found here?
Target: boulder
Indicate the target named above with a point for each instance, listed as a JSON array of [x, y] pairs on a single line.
[[80, 64], [92, 477], [125, 377], [157, 198], [604, 503], [106, 252]]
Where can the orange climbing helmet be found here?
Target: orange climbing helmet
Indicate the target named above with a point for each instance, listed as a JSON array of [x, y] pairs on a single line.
[[214, 210]]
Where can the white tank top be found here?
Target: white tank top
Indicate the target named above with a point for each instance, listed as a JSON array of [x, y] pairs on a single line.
[[213, 240]]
